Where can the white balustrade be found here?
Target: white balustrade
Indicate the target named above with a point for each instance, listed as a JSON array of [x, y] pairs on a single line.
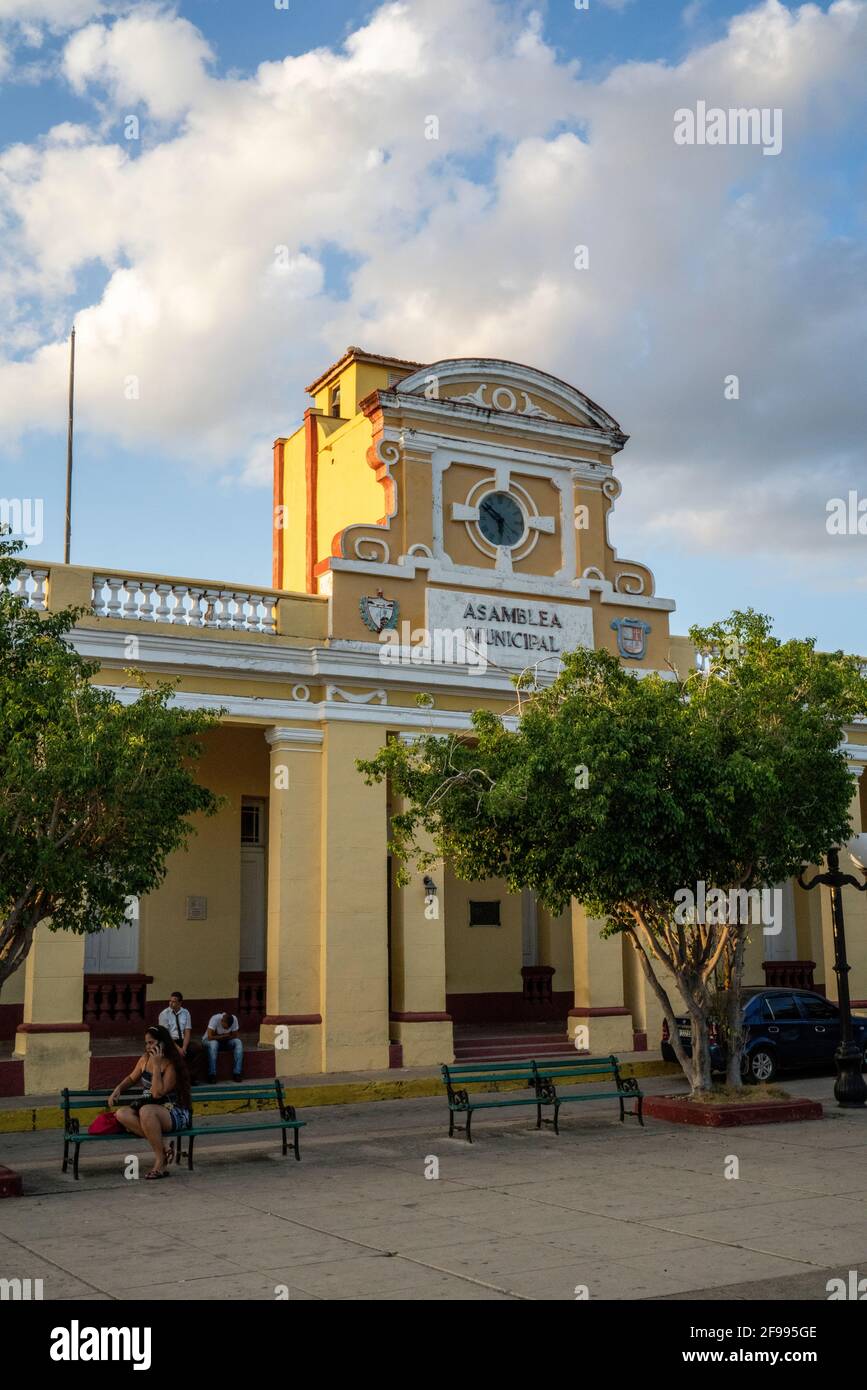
[[192, 605], [31, 585]]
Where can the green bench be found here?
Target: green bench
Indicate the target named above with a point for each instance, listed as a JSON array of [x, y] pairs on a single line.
[[260, 1091], [542, 1076], [551, 1074], [457, 1078]]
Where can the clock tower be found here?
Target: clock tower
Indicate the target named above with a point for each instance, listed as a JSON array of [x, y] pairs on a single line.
[[467, 496]]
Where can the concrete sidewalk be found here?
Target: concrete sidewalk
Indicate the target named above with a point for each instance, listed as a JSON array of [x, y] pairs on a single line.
[[628, 1213]]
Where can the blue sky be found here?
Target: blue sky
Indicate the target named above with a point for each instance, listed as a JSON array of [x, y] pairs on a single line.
[[702, 268]]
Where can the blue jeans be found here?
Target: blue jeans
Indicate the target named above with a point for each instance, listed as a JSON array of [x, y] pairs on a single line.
[[215, 1045]]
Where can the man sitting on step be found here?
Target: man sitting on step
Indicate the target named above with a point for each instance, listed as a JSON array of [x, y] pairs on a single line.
[[179, 1024], [224, 1032]]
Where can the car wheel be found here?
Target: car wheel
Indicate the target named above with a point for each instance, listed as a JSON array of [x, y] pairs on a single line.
[[760, 1066]]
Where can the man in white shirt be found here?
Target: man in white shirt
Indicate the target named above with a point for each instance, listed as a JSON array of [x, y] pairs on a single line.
[[224, 1032], [178, 1020]]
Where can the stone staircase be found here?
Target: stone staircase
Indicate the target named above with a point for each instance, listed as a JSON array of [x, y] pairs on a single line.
[[510, 1042]]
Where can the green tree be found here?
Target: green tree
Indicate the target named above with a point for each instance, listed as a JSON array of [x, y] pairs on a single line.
[[94, 794], [623, 793]]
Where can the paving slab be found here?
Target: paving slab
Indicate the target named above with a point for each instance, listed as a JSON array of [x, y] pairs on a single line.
[[520, 1215]]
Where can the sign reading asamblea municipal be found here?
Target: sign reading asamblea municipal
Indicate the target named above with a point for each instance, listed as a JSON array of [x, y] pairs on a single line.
[[518, 632]]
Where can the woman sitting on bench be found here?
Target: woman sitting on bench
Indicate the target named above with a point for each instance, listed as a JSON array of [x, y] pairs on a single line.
[[165, 1106]]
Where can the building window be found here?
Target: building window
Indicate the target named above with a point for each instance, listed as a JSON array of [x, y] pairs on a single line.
[[485, 914], [335, 400], [251, 823]]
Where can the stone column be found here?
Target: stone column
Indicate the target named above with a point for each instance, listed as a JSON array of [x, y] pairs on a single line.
[[52, 1041], [599, 995], [418, 1017], [293, 1021], [354, 980]]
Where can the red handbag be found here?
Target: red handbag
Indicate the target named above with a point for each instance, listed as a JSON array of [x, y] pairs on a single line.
[[106, 1123]]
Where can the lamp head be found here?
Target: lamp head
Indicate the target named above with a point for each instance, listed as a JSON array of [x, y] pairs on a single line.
[[857, 851]]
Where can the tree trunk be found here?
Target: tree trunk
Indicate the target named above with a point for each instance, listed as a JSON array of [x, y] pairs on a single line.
[[16, 938], [696, 1068], [701, 1067], [734, 1012]]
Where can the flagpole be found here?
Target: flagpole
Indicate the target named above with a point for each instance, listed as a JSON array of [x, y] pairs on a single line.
[[68, 533]]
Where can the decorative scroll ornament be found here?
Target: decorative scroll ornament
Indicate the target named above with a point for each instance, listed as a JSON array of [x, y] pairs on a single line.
[[356, 697], [629, 582], [376, 549], [379, 613], [631, 637], [505, 399]]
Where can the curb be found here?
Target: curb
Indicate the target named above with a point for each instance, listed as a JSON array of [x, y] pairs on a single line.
[[31, 1119], [679, 1111]]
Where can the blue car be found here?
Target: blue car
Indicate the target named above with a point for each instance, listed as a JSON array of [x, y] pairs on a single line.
[[784, 1030]]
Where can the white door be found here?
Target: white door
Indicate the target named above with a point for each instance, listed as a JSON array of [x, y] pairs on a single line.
[[781, 943], [115, 950], [529, 928], [252, 948]]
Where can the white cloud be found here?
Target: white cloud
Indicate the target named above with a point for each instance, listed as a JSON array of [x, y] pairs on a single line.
[[463, 244], [59, 14], [151, 57]]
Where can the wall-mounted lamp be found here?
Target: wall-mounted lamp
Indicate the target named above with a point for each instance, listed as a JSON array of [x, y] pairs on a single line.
[[430, 887]]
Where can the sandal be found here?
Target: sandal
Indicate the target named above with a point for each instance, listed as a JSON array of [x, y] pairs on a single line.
[[156, 1173]]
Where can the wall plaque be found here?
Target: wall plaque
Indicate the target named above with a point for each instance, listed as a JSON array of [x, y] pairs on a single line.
[[517, 632]]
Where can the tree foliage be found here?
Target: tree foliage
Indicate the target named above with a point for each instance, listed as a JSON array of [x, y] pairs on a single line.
[[94, 794], [620, 792]]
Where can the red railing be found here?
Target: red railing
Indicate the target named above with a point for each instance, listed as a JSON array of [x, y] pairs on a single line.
[[789, 974], [251, 998], [537, 984], [115, 1003]]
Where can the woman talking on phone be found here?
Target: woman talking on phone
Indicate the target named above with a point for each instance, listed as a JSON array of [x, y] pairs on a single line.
[[165, 1106]]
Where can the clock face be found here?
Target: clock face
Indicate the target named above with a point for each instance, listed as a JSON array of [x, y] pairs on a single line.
[[501, 520]]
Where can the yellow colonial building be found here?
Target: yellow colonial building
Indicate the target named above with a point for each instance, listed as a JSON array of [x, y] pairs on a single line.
[[437, 528]]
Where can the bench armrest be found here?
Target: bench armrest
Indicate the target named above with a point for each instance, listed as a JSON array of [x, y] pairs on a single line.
[[546, 1091]]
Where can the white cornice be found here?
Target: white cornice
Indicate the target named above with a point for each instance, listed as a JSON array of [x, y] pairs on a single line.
[[855, 752], [340, 664], [276, 712], [412, 720], [428, 441], [343, 663], [306, 739], [436, 411], [463, 577]]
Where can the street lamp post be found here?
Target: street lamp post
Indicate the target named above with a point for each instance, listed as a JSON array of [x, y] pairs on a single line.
[[849, 1088]]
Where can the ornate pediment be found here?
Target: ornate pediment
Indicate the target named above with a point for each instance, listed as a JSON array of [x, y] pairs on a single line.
[[490, 396], [509, 389]]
